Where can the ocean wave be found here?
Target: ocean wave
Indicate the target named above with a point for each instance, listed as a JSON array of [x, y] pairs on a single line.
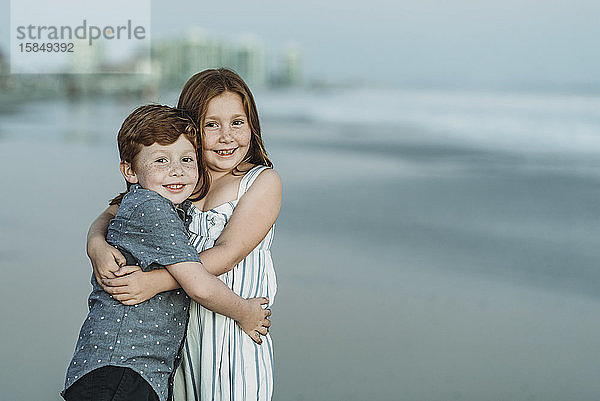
[[529, 122]]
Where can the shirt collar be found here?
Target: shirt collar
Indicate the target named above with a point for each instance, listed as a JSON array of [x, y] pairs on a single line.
[[184, 210]]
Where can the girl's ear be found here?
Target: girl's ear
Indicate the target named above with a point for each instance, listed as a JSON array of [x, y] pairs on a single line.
[[128, 173]]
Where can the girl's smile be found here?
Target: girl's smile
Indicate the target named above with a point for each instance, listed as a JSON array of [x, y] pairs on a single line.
[[225, 152], [226, 138]]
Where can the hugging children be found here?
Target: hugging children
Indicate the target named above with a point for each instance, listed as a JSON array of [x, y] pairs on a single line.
[[130, 352]]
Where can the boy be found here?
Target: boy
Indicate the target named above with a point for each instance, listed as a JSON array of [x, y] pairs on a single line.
[[131, 352]]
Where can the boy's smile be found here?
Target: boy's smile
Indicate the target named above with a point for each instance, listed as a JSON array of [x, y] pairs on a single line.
[[175, 187], [170, 170]]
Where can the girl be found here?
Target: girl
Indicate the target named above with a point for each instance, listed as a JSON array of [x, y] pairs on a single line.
[[232, 228]]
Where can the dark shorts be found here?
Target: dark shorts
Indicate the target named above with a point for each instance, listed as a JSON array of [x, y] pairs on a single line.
[[111, 383]]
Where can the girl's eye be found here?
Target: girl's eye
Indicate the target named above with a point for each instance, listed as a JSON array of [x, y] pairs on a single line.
[[238, 122], [210, 125]]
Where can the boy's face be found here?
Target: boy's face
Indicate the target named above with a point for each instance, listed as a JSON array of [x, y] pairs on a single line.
[[170, 170]]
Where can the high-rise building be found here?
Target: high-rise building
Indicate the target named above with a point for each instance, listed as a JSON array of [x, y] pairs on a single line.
[[181, 58], [249, 60], [86, 59], [291, 71]]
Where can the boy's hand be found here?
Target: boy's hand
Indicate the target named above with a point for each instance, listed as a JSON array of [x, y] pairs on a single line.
[[106, 259], [133, 286], [256, 320]]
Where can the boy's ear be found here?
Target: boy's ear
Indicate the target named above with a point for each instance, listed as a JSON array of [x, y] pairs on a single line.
[[128, 173]]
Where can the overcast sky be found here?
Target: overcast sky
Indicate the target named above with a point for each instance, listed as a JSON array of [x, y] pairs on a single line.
[[424, 42]]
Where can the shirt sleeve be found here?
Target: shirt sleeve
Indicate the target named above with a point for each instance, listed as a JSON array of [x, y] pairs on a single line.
[[154, 233]]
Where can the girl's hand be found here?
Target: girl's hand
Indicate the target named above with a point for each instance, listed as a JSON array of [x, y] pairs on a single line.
[[133, 286], [256, 320], [106, 259]]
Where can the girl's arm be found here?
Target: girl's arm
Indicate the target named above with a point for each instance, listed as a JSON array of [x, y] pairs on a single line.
[[105, 259], [252, 219], [250, 222]]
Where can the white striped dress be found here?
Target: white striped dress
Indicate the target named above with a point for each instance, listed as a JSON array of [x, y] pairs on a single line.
[[220, 361]]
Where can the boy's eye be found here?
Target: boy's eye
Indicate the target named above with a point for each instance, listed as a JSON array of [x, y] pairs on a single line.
[[188, 160], [161, 160]]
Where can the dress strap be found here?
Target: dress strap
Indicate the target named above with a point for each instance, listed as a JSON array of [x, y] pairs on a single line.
[[249, 178]]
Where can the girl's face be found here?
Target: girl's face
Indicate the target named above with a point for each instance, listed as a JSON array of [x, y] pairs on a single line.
[[170, 170], [226, 133]]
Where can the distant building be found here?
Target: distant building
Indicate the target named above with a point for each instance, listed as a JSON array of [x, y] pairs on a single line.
[[291, 69], [4, 72], [85, 58], [249, 60], [179, 59], [171, 64], [4, 67]]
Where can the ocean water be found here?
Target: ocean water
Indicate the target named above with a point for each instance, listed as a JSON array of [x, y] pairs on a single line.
[[491, 183], [500, 120], [431, 245]]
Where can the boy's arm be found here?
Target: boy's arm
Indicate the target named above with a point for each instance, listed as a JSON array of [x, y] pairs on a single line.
[[213, 294], [105, 258], [133, 286], [202, 287], [153, 233]]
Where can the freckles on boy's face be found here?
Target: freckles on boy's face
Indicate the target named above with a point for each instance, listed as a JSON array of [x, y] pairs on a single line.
[[170, 170]]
